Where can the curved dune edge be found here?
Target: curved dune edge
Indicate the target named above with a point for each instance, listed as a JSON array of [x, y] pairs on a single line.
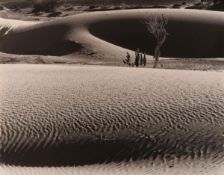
[[192, 34], [66, 115]]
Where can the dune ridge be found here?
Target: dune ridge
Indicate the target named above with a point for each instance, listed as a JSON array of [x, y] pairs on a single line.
[[86, 115], [107, 36]]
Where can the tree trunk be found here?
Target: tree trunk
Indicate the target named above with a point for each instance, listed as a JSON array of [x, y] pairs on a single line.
[[156, 56], [155, 64]]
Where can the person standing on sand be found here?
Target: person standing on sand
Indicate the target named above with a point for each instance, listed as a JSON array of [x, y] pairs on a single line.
[[144, 60], [141, 59], [137, 58]]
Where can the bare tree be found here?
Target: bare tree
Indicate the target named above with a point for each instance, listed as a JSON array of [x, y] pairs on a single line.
[[156, 25], [127, 60]]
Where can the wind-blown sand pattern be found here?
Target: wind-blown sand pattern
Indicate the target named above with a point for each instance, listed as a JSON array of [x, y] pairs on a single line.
[[74, 115], [111, 120], [174, 167]]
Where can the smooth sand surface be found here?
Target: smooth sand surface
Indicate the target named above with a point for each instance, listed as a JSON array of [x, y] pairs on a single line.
[[83, 115], [102, 36], [16, 23]]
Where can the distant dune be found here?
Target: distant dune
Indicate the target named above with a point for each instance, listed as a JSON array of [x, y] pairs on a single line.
[[106, 36]]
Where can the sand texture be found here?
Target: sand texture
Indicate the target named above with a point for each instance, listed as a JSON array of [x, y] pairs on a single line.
[[172, 167], [64, 119], [65, 115]]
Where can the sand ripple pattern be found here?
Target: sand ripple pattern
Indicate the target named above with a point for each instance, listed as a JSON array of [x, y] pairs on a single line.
[[66, 115], [143, 167]]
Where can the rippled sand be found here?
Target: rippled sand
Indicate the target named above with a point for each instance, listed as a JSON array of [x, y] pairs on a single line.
[[185, 167], [87, 115]]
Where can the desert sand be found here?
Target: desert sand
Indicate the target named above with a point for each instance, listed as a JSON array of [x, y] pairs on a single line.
[[89, 115], [186, 167], [76, 119], [105, 37]]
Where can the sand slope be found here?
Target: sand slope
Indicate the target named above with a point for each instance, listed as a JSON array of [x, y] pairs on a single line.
[[172, 167], [104, 35], [65, 115]]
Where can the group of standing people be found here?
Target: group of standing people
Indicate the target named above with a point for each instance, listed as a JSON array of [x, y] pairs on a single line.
[[140, 59]]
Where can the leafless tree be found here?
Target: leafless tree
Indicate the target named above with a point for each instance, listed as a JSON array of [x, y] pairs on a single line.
[[156, 25]]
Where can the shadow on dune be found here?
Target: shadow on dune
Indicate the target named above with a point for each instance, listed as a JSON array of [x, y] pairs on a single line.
[[90, 151], [190, 36], [75, 154], [187, 38], [41, 40]]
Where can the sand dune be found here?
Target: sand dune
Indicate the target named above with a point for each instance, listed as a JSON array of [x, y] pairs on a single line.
[[16, 23], [146, 167], [66, 115], [104, 35], [108, 120], [191, 33]]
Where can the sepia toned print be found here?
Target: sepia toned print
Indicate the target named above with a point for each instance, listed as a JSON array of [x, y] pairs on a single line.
[[111, 87]]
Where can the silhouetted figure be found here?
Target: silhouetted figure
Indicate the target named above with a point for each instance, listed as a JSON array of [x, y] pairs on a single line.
[[128, 59], [144, 60], [141, 59], [137, 57]]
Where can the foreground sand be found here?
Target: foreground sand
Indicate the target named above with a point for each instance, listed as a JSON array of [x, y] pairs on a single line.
[[104, 37], [173, 167], [84, 115]]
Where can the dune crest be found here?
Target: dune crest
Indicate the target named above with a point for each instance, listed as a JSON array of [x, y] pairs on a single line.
[[110, 34]]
